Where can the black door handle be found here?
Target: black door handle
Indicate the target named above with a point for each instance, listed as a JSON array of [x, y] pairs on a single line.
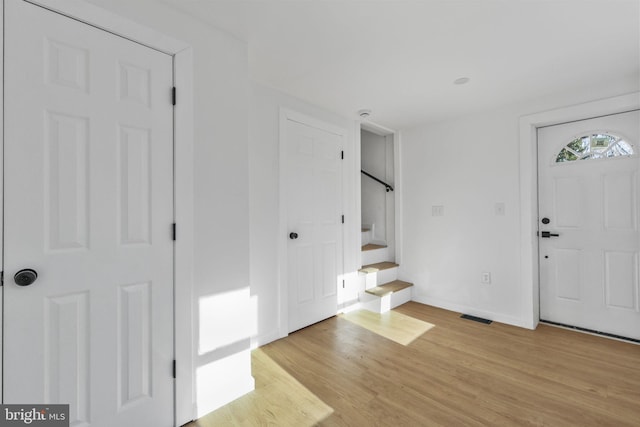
[[547, 234], [293, 236], [25, 277]]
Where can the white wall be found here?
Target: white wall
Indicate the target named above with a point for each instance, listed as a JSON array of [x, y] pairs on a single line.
[[221, 316], [264, 140], [467, 165]]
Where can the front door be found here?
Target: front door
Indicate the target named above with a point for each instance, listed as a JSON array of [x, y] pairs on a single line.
[[589, 217], [313, 168], [89, 209]]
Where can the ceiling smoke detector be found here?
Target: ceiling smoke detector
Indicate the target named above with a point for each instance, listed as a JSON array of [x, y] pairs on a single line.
[[364, 114]]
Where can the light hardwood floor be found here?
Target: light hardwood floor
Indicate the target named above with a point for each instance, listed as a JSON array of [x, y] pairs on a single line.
[[457, 373]]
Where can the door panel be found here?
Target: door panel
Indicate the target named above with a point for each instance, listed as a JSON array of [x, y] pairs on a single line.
[[134, 185], [589, 273], [66, 198], [620, 201], [89, 205], [621, 279], [134, 343], [568, 273], [66, 354], [568, 201], [314, 199]]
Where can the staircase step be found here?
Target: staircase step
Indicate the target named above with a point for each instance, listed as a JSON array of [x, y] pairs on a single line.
[[374, 268], [389, 288], [372, 247]]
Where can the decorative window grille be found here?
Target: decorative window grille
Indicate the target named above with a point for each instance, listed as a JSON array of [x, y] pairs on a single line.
[[594, 146]]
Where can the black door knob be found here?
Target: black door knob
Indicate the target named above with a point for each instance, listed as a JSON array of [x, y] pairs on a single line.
[[293, 236], [25, 277]]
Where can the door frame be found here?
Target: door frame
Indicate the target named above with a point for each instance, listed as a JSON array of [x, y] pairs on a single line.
[[182, 53], [282, 249], [529, 260]]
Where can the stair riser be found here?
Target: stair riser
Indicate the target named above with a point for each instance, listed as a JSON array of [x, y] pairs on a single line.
[[400, 297], [375, 256], [385, 303], [386, 276], [370, 280], [381, 277], [365, 237]]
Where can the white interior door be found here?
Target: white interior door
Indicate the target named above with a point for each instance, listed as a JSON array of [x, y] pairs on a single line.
[[314, 196], [588, 196], [89, 206]]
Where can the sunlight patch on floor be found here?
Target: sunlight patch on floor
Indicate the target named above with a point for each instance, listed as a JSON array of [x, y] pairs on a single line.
[[391, 325], [279, 400]]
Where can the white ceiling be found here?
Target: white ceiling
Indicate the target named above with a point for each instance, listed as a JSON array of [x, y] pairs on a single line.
[[400, 57]]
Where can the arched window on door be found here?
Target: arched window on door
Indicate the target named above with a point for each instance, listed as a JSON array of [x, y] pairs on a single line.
[[595, 146]]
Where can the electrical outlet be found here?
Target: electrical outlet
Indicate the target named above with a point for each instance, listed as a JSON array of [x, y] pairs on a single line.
[[437, 210], [485, 277]]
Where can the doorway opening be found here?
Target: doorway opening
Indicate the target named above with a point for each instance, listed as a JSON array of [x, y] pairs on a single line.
[[377, 192], [381, 287]]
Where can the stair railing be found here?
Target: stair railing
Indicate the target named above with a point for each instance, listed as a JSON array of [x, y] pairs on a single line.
[[387, 186]]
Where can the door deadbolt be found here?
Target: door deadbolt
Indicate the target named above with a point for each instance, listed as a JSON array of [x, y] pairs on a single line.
[[546, 220], [293, 236], [25, 277]]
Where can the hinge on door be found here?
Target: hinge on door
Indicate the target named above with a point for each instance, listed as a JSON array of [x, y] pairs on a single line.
[[174, 368], [1, 278], [173, 95], [342, 155], [343, 284], [343, 219], [173, 231]]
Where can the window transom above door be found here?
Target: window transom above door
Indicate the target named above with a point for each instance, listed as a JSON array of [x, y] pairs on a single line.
[[595, 146]]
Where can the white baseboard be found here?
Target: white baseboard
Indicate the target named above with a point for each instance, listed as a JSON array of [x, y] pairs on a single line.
[[351, 307], [460, 308], [222, 381], [232, 391], [264, 339]]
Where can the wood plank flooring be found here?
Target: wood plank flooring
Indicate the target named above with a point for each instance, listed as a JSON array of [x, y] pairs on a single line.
[[278, 400], [458, 373], [391, 325]]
